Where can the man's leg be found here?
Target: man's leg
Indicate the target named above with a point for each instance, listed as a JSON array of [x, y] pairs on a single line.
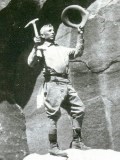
[[77, 113], [54, 147], [53, 100]]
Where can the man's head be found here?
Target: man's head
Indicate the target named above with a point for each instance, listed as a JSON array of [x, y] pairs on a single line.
[[47, 33]]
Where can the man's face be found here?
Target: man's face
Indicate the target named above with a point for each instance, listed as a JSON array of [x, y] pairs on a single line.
[[49, 33]]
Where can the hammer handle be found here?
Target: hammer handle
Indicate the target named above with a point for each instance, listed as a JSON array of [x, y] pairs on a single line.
[[35, 30]]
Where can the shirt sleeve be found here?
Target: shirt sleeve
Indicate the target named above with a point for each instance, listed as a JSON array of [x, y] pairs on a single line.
[[34, 57], [71, 52], [78, 50], [31, 57]]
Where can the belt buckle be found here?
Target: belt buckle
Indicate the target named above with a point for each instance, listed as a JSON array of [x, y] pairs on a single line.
[[64, 75], [57, 81]]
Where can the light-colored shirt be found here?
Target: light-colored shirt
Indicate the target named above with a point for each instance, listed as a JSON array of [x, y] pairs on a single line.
[[56, 57]]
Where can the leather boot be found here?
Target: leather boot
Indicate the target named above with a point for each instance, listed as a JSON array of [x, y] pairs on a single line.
[[54, 148], [77, 140]]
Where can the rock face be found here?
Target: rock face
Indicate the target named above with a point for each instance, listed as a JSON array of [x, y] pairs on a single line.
[[96, 78], [102, 61], [95, 75], [3, 3], [13, 141]]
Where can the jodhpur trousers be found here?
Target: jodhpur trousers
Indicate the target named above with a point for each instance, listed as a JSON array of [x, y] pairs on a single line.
[[57, 91]]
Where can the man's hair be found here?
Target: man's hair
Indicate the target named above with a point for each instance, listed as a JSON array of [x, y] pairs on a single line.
[[44, 27]]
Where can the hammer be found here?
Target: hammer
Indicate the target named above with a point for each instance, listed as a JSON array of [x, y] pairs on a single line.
[[34, 26]]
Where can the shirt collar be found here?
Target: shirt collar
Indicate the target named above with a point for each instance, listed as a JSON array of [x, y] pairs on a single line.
[[48, 44]]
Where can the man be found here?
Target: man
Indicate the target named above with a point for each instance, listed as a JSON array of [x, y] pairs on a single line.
[[57, 86]]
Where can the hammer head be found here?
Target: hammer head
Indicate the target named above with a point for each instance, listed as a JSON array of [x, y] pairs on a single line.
[[31, 22]]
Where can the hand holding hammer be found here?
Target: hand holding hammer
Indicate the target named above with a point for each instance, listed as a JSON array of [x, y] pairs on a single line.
[[37, 37]]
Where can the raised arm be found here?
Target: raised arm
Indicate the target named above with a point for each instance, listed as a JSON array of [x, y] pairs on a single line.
[[80, 44], [34, 56]]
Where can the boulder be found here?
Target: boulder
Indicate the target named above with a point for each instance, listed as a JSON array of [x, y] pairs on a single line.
[[13, 141], [74, 154]]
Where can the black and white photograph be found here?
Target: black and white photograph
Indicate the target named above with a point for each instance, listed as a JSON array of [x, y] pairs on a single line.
[[59, 80]]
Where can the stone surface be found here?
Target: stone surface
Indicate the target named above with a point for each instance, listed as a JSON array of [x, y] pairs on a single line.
[[13, 141], [102, 57], [95, 154], [3, 3]]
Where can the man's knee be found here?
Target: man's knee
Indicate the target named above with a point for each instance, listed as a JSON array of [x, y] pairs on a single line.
[[78, 111]]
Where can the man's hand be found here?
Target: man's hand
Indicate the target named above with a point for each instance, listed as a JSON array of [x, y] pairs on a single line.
[[80, 30], [37, 39]]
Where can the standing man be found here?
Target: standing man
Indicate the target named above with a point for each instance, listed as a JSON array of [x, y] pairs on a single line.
[[57, 86]]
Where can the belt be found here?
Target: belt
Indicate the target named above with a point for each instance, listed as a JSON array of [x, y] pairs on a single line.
[[56, 77], [63, 75]]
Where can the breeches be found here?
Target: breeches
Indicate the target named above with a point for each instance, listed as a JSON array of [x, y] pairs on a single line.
[[55, 94]]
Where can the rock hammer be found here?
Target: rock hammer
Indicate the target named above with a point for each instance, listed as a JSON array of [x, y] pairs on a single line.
[[34, 26]]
